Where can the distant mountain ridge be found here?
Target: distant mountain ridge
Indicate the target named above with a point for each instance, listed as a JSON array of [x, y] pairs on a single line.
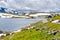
[[22, 10], [3, 9], [16, 11]]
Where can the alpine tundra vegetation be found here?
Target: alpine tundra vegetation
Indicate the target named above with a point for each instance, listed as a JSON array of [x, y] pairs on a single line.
[[39, 31]]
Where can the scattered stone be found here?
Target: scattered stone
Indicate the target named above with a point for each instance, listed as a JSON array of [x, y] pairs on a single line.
[[1, 32], [49, 16], [32, 27], [7, 34], [28, 28], [37, 25], [49, 32], [59, 30], [44, 27], [53, 39], [2, 35], [11, 33], [37, 29], [54, 32], [58, 39]]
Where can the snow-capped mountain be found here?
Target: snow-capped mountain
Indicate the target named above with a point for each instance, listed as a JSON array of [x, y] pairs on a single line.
[[15, 11], [2, 9], [25, 10]]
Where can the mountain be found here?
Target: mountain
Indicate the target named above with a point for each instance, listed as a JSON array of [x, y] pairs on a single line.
[[16, 11], [2, 9]]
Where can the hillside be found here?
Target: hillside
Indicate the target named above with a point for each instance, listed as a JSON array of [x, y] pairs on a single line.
[[40, 31]]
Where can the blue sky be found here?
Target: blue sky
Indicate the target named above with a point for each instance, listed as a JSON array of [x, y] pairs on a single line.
[[41, 5]]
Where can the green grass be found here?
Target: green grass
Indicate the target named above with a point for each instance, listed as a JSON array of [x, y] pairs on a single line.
[[56, 17], [34, 34], [29, 35]]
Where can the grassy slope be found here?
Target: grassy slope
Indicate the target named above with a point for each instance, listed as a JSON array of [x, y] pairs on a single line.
[[56, 17], [37, 34]]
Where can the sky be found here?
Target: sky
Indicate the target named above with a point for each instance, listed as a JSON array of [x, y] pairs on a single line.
[[41, 5]]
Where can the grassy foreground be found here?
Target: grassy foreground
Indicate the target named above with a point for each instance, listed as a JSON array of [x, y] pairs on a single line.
[[41, 31]]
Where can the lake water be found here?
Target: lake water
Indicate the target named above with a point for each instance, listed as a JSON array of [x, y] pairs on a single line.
[[13, 24]]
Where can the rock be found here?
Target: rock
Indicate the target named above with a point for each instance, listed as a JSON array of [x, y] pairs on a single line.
[[11, 33], [49, 32], [59, 30], [54, 32], [1, 32], [7, 34], [32, 27], [57, 38], [37, 29], [44, 27], [53, 39]]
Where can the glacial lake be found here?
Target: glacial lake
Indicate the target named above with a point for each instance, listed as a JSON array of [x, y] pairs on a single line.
[[12, 24]]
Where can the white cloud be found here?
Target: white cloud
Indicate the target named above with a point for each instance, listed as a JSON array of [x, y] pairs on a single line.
[[42, 5], [3, 4]]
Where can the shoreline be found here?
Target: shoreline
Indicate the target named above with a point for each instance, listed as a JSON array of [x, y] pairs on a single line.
[[19, 30], [25, 27]]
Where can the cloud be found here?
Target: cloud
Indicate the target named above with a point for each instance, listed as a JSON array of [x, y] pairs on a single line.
[[42, 5], [3, 4]]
